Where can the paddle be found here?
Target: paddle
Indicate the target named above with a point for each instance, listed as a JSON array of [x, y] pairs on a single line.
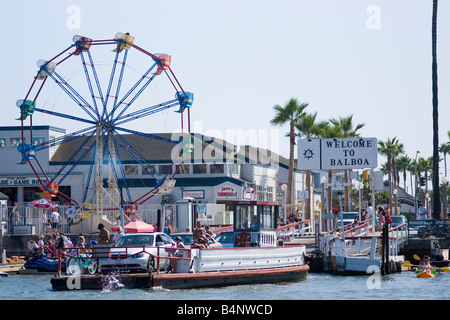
[[407, 264], [416, 257]]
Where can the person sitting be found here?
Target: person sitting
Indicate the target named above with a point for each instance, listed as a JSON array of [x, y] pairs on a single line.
[[50, 249], [178, 253], [199, 243], [425, 265]]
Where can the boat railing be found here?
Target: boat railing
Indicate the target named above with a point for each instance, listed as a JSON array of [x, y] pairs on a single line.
[[102, 252]]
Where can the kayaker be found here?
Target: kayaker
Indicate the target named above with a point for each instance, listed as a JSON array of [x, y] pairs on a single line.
[[425, 265]]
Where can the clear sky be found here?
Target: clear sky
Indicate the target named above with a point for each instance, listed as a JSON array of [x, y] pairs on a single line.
[[371, 59]]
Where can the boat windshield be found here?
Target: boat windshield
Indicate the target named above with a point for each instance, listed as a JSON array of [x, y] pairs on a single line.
[[246, 217]]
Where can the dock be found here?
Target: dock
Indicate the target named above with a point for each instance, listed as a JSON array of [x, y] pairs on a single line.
[[356, 251], [178, 280]]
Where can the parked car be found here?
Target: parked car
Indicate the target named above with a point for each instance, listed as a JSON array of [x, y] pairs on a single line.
[[137, 252], [398, 220], [348, 217], [187, 238], [226, 238]]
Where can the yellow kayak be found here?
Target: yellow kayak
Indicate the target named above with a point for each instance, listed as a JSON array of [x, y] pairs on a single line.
[[425, 275]]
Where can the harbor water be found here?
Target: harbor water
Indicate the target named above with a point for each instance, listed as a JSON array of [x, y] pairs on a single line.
[[317, 286]]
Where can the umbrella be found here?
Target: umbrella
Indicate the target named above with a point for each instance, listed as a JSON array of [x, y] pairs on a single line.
[[43, 203], [137, 226]]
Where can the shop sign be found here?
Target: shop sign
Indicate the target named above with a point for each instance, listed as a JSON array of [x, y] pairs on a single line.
[[227, 193], [330, 154], [19, 181], [196, 194]]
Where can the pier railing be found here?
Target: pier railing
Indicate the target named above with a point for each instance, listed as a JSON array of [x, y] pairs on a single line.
[[291, 230], [358, 241], [105, 252]]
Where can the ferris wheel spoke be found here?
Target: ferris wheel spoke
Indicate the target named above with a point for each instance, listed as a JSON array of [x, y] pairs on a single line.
[[119, 83], [89, 82], [148, 135], [62, 115], [111, 80], [115, 154], [146, 111], [82, 147], [126, 146], [75, 96], [64, 138], [127, 105]]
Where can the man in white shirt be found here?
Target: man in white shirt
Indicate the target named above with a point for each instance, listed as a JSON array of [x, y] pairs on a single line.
[[369, 212], [56, 218], [422, 213]]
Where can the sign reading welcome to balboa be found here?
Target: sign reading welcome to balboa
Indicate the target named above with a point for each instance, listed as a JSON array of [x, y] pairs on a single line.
[[344, 153]]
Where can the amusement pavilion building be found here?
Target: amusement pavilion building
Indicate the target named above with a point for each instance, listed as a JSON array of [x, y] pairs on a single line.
[[214, 173]]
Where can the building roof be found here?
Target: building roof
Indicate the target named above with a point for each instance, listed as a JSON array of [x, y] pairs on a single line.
[[206, 150]]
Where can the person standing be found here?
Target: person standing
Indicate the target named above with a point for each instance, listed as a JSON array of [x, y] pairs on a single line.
[[15, 214], [369, 210], [55, 218], [103, 235], [422, 213], [118, 235]]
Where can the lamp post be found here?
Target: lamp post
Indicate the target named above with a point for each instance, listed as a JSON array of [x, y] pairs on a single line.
[[415, 185], [283, 188], [323, 180], [444, 181], [395, 193]]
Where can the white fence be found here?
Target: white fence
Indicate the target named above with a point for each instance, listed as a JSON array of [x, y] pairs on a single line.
[[33, 221]]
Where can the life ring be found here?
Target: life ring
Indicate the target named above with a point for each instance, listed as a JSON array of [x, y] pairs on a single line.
[[242, 239]]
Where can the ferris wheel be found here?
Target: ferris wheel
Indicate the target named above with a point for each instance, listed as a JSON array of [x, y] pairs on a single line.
[[103, 90]]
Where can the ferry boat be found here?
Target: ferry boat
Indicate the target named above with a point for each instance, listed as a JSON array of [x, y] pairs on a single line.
[[255, 258]]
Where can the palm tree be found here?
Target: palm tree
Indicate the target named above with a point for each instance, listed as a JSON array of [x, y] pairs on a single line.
[[403, 164], [436, 191], [347, 131], [398, 150], [389, 148], [424, 166], [445, 149], [289, 114], [308, 128]]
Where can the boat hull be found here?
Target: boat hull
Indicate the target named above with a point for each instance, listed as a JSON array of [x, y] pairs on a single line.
[[43, 264], [184, 280], [227, 278], [425, 275]]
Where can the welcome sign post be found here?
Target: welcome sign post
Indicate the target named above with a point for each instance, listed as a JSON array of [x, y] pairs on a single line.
[[334, 154], [337, 154]]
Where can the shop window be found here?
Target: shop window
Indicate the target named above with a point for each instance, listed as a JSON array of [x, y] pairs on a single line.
[[165, 169], [216, 168], [131, 170], [14, 142], [38, 141], [199, 168], [183, 169]]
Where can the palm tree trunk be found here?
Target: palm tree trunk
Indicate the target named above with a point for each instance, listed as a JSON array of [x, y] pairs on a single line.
[[436, 191], [291, 168], [390, 181]]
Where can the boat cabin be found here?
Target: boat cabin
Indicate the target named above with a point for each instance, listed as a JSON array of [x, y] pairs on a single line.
[[255, 223]]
